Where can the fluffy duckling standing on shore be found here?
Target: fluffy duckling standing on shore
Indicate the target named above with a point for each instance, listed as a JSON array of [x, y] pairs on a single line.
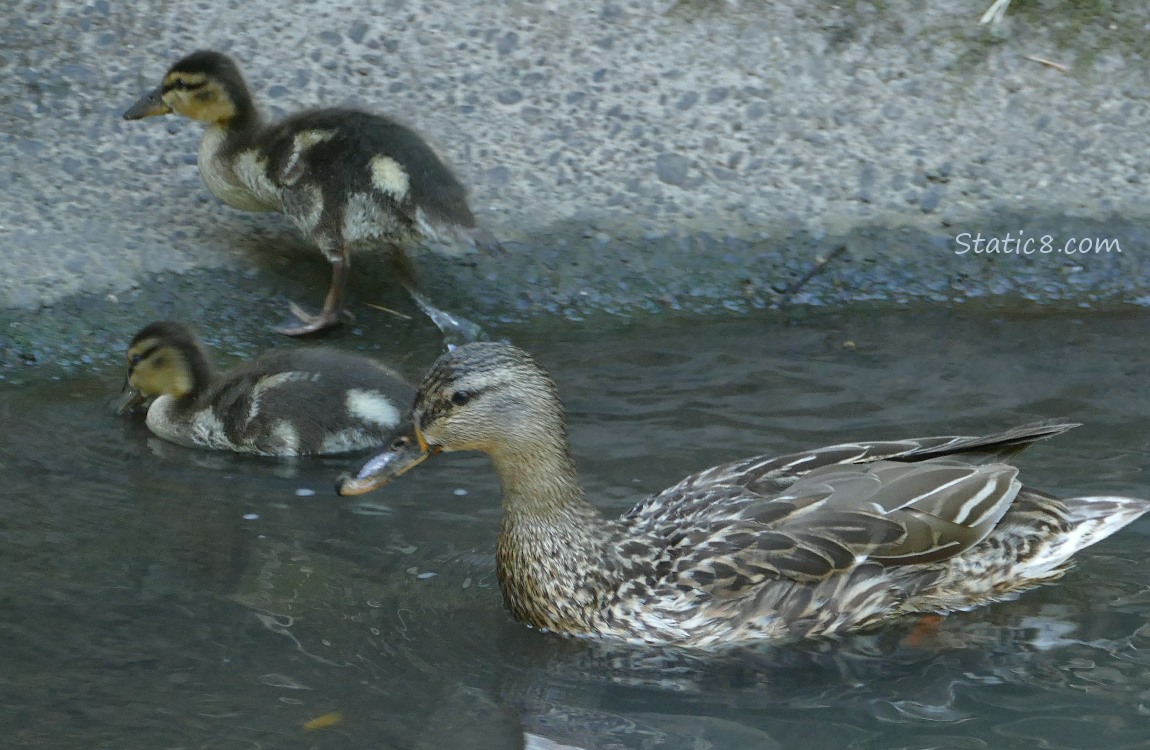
[[812, 543], [343, 176], [290, 402]]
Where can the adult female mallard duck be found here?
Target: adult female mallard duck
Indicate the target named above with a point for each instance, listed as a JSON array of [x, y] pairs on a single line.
[[287, 402], [806, 544], [341, 175]]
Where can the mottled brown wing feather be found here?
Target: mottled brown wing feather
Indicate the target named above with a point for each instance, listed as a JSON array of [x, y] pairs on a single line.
[[943, 506], [837, 518], [808, 516]]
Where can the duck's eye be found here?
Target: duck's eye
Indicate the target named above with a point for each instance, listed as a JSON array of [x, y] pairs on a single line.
[[400, 442], [135, 359], [179, 85], [459, 398]]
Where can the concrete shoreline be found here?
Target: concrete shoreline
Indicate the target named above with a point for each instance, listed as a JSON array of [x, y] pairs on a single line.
[[636, 157]]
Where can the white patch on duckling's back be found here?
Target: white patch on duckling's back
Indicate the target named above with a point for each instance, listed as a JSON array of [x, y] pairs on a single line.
[[372, 407], [389, 177], [243, 184], [302, 141], [307, 138], [270, 382]]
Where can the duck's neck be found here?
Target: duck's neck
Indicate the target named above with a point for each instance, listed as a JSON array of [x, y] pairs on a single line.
[[230, 162], [241, 128], [199, 379], [556, 553], [247, 119]]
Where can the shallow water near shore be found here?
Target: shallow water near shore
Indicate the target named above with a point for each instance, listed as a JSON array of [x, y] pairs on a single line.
[[155, 596]]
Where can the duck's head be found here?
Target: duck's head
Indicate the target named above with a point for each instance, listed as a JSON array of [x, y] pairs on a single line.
[[485, 396], [164, 359], [205, 86]]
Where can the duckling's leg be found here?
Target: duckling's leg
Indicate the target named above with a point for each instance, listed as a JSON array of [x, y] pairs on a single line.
[[334, 307]]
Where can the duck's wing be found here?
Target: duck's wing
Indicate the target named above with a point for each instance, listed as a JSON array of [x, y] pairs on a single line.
[[831, 521], [766, 474], [888, 512]]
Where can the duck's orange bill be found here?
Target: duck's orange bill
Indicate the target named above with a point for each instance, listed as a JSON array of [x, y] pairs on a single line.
[[405, 452]]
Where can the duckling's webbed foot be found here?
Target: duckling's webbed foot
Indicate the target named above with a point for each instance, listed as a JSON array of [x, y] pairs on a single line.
[[303, 322], [334, 310]]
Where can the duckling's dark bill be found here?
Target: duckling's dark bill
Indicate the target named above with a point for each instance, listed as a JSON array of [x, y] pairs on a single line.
[[128, 401], [150, 105], [402, 456]]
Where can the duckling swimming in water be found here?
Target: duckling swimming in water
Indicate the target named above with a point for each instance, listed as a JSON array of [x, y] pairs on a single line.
[[342, 176], [289, 402], [812, 543]]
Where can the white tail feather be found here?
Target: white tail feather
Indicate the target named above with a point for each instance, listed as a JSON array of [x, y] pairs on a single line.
[[1094, 519]]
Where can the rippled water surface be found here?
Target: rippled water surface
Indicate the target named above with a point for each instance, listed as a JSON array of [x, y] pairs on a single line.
[[160, 597]]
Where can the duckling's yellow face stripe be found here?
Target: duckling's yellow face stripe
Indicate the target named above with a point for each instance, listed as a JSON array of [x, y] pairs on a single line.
[[199, 97], [193, 95], [179, 80], [155, 369]]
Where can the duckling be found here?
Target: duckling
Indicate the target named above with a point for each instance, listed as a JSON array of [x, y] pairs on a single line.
[[342, 176], [289, 402], [808, 544]]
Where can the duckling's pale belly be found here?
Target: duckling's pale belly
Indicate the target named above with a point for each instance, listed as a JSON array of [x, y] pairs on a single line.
[[199, 429], [243, 183]]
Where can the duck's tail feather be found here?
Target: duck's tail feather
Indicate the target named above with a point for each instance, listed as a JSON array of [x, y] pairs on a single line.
[[997, 447], [1097, 517], [1091, 519]]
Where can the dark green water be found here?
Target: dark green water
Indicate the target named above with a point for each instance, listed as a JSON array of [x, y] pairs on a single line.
[[159, 597]]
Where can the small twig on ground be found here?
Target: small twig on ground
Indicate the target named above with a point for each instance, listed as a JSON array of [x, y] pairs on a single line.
[[396, 313], [1049, 63], [820, 263]]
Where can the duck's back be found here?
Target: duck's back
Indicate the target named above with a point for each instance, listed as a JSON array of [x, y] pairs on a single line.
[[368, 169], [308, 401], [850, 535]]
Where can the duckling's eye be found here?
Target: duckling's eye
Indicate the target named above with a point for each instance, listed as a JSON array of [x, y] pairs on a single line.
[[459, 398], [179, 85], [135, 359]]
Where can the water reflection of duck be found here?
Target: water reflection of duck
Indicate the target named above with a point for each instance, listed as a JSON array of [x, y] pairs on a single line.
[[341, 175], [283, 403], [812, 543]]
